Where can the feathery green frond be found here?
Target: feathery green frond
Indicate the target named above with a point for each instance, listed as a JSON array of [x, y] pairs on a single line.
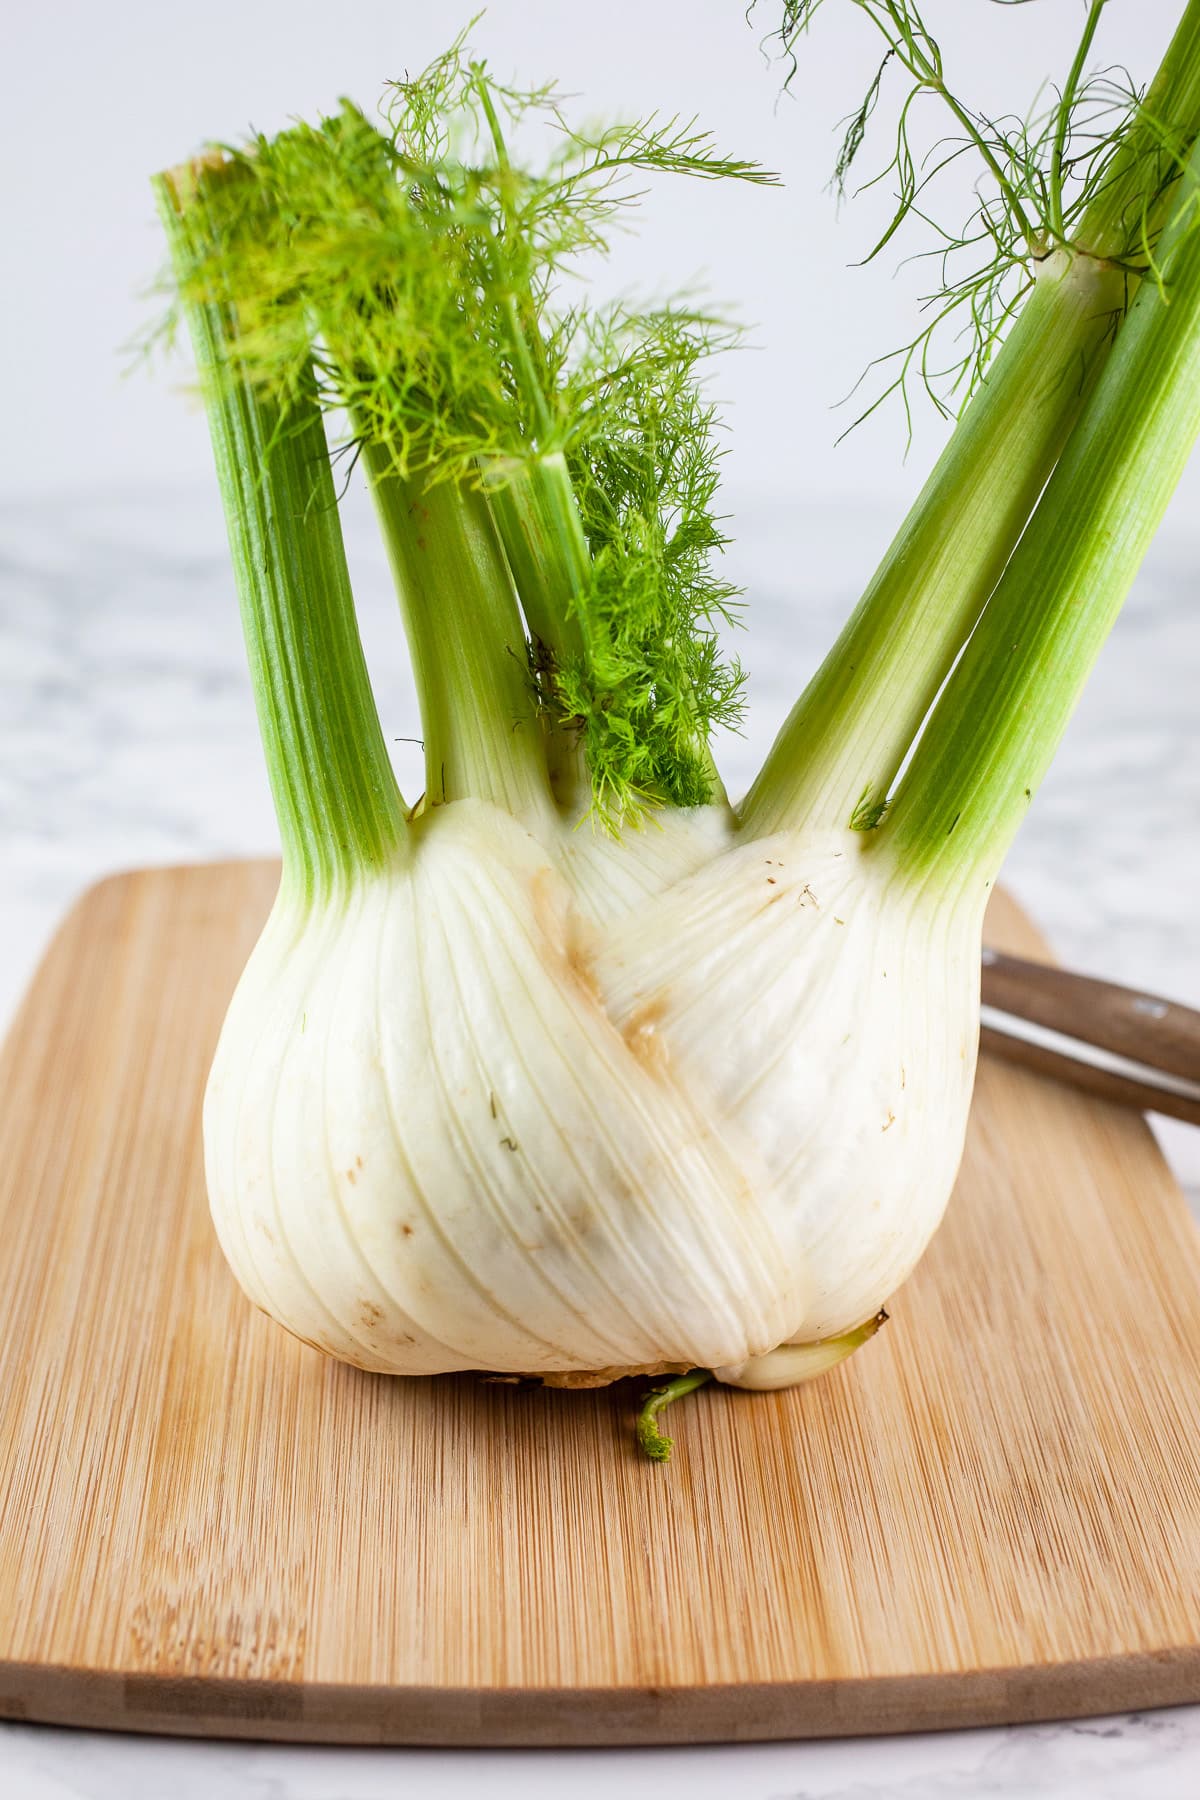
[[652, 683], [1048, 181], [418, 267]]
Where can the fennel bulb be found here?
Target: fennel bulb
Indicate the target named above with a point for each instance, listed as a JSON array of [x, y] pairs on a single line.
[[507, 1106]]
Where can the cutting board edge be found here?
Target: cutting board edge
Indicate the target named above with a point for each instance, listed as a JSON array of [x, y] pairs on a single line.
[[579, 1718]]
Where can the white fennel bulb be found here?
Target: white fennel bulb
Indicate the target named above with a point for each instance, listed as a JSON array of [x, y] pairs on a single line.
[[493, 1110]]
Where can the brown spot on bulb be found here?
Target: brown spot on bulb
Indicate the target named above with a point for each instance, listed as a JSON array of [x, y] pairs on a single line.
[[641, 1034]]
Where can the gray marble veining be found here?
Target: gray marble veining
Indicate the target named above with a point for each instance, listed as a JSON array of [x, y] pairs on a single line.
[[127, 736]]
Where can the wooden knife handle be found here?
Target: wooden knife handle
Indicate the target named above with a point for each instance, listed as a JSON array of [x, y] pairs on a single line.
[[1143, 1028]]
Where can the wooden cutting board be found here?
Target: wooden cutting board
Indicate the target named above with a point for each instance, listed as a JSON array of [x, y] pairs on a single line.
[[992, 1513]]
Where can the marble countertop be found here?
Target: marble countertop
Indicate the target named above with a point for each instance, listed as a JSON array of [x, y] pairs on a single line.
[[127, 737]]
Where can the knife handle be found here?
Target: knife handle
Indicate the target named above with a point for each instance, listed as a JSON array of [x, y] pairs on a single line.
[[1143, 1028], [1140, 1028]]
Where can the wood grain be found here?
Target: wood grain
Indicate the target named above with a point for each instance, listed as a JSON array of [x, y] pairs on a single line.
[[992, 1513]]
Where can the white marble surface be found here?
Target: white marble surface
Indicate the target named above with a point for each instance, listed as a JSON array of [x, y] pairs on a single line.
[[1147, 1756], [126, 736]]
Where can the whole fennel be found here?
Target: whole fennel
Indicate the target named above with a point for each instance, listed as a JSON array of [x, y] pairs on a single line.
[[574, 1068]]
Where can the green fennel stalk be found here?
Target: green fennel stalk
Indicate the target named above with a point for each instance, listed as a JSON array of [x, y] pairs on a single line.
[[335, 795], [466, 640], [839, 752], [995, 729]]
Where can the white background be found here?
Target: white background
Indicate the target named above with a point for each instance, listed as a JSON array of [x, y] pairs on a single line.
[[102, 92]]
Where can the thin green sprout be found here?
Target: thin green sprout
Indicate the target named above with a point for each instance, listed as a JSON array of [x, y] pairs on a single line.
[[651, 1441], [1046, 173]]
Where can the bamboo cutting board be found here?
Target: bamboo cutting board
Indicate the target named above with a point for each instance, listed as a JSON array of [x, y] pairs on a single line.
[[991, 1513]]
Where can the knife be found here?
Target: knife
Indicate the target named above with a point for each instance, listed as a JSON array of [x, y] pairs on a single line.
[[1124, 1045]]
